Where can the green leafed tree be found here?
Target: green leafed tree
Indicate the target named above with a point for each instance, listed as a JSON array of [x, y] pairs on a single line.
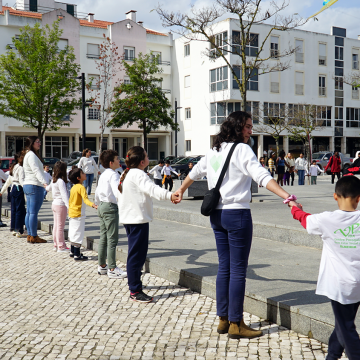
[[38, 84], [140, 100]]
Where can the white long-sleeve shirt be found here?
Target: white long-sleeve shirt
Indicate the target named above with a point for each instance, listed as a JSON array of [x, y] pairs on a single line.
[[107, 189], [167, 170], [300, 164], [88, 165], [157, 171], [18, 175], [3, 176], [135, 203], [33, 168], [313, 171], [235, 188], [59, 193], [47, 177]]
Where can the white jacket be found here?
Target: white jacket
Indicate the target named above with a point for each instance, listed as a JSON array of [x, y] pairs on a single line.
[[135, 203], [235, 188], [88, 165], [33, 168]]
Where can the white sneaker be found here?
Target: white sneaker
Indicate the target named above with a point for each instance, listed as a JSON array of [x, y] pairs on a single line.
[[64, 250], [102, 270], [55, 248], [116, 273], [14, 233], [21, 235]]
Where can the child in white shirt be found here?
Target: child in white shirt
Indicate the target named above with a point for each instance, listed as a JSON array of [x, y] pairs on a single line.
[[47, 177], [339, 274], [157, 173], [136, 211], [313, 172], [166, 171]]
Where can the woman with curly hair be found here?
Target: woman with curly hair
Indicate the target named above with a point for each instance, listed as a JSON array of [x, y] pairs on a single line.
[[231, 221]]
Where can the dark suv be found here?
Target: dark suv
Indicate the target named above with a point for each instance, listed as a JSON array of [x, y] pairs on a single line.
[[182, 166]]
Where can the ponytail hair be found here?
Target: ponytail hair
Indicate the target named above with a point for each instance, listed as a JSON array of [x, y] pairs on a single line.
[[134, 157]]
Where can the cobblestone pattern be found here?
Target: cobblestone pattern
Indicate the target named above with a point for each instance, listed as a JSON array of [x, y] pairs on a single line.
[[55, 308]]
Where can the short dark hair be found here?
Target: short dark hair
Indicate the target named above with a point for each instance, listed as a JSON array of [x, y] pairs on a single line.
[[161, 162], [167, 162], [314, 161], [74, 175], [108, 156], [348, 186]]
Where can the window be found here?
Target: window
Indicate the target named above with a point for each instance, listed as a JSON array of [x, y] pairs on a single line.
[[274, 47], [253, 82], [93, 113], [33, 6], [339, 53], [299, 83], [186, 50], [62, 44], [95, 81], [220, 41], [299, 51], [252, 47], [273, 111], [322, 54], [355, 93], [187, 113], [275, 82], [153, 148], [127, 80], [129, 53], [217, 113], [219, 79], [188, 145], [156, 54], [322, 85], [352, 117], [93, 51], [323, 116], [355, 60], [187, 81], [57, 146]]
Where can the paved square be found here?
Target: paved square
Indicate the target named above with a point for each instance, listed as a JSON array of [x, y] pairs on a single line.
[[55, 308]]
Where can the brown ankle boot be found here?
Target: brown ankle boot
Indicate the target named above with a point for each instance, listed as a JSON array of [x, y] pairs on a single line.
[[37, 240], [238, 331], [246, 327], [223, 326], [28, 238]]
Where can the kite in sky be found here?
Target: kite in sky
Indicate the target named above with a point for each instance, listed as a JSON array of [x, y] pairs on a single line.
[[326, 4]]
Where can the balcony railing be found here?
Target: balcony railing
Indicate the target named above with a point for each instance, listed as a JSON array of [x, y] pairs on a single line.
[[355, 94], [93, 56], [322, 91], [299, 57], [166, 91], [322, 60], [355, 65]]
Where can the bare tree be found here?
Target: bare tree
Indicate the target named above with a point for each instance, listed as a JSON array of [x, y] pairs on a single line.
[[199, 26], [102, 86]]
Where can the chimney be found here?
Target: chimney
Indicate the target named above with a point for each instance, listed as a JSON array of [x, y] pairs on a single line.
[[141, 23], [131, 15], [90, 17]]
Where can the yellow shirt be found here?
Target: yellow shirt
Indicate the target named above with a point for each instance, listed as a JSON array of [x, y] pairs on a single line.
[[77, 195]]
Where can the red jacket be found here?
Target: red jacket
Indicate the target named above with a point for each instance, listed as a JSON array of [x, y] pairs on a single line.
[[335, 164]]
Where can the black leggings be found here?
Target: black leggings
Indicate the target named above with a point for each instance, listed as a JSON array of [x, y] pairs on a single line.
[[333, 176], [169, 181]]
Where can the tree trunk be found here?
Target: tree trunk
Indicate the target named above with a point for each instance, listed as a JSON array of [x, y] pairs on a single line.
[[101, 139], [40, 136], [145, 135]]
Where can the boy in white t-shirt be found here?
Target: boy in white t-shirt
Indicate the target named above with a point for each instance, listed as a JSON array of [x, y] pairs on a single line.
[[314, 171], [339, 273]]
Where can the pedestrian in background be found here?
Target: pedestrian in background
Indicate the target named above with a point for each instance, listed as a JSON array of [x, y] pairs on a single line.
[[47, 177], [157, 172], [290, 170], [33, 187], [314, 171], [166, 172], [3, 177], [271, 164], [300, 168], [280, 167], [335, 166], [88, 165]]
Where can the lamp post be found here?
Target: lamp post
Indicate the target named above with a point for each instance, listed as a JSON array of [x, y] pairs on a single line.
[[176, 122]]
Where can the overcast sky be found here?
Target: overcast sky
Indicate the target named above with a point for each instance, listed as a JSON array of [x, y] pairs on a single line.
[[345, 13]]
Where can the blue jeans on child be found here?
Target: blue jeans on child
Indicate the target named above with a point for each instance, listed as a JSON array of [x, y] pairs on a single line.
[[233, 235], [88, 182], [17, 209], [34, 200], [345, 336], [301, 174], [138, 241]]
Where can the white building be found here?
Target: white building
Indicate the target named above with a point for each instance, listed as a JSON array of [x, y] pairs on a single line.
[[206, 92], [85, 33]]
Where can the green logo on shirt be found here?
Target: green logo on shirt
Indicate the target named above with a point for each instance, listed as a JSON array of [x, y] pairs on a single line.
[[350, 231], [215, 162]]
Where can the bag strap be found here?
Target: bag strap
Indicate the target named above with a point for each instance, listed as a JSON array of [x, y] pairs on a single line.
[[225, 167]]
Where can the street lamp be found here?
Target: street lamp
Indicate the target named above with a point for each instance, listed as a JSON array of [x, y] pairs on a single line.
[[176, 109]]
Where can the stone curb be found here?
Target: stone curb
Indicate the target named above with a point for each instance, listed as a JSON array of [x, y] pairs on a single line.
[[289, 316]]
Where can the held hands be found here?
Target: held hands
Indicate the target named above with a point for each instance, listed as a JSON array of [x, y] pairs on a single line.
[[175, 198], [294, 203], [94, 206]]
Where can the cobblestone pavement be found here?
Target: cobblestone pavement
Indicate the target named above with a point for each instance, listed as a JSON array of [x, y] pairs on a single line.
[[55, 308]]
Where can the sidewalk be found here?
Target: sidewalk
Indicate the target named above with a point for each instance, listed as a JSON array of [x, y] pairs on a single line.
[[281, 278]]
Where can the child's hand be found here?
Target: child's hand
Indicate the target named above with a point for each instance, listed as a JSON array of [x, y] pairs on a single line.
[[94, 206], [175, 198], [294, 203]]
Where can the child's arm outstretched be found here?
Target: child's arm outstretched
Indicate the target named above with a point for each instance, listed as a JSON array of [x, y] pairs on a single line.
[[299, 214], [84, 195]]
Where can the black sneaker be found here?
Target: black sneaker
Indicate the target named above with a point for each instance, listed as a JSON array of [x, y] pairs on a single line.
[[2, 224], [82, 257], [141, 297]]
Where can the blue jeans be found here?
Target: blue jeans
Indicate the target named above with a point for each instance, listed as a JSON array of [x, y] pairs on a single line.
[[345, 336], [88, 182], [34, 200], [301, 174], [17, 209], [233, 233]]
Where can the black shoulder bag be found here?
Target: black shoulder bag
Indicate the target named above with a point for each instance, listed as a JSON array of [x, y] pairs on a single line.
[[212, 197]]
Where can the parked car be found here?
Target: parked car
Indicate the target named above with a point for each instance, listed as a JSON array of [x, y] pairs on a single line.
[[50, 161], [322, 158], [182, 166], [173, 159], [5, 163], [76, 155]]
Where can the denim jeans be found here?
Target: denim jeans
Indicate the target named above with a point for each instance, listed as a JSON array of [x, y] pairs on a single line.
[[233, 234], [88, 182], [17, 209], [34, 200], [301, 174]]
